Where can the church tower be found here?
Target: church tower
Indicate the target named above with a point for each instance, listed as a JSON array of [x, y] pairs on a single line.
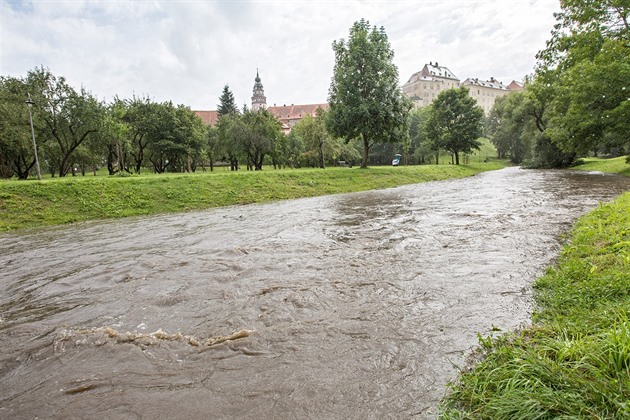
[[259, 100]]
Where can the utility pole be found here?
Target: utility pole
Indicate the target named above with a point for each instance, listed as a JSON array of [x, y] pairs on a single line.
[[30, 103]]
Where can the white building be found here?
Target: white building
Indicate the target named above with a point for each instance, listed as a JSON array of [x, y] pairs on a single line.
[[424, 86]]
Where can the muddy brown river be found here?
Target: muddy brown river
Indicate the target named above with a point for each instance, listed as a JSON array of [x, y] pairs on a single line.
[[351, 306]]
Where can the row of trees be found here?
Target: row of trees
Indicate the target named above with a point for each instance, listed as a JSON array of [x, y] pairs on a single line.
[[577, 102], [369, 119], [75, 131]]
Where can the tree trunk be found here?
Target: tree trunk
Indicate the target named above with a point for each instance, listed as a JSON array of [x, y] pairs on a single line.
[[366, 153], [456, 158], [321, 155]]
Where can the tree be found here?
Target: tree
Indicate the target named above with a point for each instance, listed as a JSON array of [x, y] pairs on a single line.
[[591, 110], [226, 102], [420, 147], [260, 132], [313, 134], [364, 96], [455, 122], [140, 114], [70, 116], [16, 146], [175, 138], [589, 54], [510, 125], [229, 129]]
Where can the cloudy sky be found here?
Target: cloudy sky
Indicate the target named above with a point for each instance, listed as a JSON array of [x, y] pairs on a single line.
[[187, 50]]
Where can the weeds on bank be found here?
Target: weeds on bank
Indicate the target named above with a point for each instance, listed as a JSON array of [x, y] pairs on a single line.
[[575, 361]]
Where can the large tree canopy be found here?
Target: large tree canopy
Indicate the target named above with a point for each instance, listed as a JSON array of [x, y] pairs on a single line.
[[455, 122], [589, 57], [365, 99]]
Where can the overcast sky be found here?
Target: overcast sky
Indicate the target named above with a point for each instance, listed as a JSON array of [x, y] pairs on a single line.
[[187, 50]]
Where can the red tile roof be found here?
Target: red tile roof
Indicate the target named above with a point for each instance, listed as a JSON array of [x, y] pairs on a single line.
[[288, 115], [209, 117], [295, 112]]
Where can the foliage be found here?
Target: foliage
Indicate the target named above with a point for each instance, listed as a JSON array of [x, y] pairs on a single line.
[[67, 200], [589, 55], [313, 134], [260, 132], [248, 137], [226, 102], [455, 122], [577, 98], [364, 97], [16, 147], [574, 362], [318, 147], [591, 111], [71, 117], [510, 127], [420, 146]]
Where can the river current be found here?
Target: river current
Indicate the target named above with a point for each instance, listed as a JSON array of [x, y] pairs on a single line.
[[357, 306]]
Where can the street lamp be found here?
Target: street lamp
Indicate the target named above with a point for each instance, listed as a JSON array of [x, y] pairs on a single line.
[[30, 103]]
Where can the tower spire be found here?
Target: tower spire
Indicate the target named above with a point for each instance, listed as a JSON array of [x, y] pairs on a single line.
[[259, 100]]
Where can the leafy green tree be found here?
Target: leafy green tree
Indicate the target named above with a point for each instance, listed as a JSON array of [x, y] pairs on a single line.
[[312, 131], [591, 110], [261, 131], [70, 116], [510, 125], [175, 138], [589, 54], [230, 127], [140, 115], [455, 122], [16, 146], [420, 146], [117, 138], [365, 99]]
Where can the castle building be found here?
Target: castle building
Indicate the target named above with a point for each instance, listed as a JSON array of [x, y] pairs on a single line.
[[485, 92], [424, 86], [288, 115]]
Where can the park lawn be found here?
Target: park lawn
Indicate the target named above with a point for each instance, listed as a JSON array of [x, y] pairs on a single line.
[[614, 165], [29, 204], [574, 361]]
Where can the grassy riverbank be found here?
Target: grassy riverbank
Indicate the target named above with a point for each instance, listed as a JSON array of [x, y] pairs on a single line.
[[25, 204], [574, 361]]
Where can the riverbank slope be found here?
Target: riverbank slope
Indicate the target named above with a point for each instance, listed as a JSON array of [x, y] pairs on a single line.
[[28, 204], [574, 361]]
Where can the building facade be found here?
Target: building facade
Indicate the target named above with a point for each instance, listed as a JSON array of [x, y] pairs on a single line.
[[424, 86], [485, 92]]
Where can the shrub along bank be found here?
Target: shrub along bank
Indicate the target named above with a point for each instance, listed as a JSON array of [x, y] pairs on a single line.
[[574, 361], [27, 204]]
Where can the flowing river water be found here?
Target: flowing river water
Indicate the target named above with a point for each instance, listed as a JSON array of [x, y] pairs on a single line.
[[358, 305]]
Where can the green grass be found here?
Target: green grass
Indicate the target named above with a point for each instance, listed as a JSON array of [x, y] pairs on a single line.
[[574, 361], [615, 165], [28, 204]]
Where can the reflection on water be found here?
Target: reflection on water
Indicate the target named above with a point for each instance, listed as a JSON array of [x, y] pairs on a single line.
[[349, 306]]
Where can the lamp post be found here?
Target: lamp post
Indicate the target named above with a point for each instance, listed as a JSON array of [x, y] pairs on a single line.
[[30, 103]]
